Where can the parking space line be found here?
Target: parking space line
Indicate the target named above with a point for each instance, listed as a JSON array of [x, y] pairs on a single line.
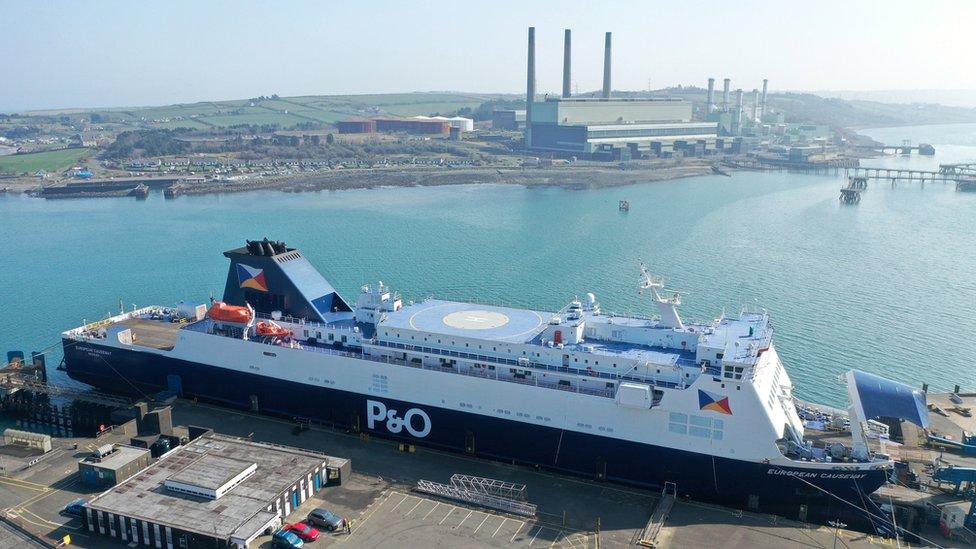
[[419, 501], [559, 534], [431, 510], [371, 513], [517, 531], [398, 504], [464, 519], [504, 520], [480, 525], [531, 541], [447, 515]]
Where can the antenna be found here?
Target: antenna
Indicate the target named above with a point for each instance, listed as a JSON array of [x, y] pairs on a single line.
[[667, 306]]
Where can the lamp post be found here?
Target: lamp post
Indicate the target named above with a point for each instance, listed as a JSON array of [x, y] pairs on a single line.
[[837, 526]]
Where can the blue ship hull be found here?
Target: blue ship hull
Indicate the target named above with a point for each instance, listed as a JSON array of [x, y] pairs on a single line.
[[739, 483]]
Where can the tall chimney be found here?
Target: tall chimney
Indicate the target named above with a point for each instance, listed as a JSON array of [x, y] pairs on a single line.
[[762, 113], [567, 63], [606, 67], [725, 94], [737, 117], [530, 89], [710, 102], [755, 104]]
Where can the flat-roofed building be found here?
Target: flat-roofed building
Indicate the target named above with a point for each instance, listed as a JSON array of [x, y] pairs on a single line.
[[508, 119], [111, 464], [216, 491], [613, 128]]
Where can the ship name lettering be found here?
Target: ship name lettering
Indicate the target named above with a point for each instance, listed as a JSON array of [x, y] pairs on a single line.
[[811, 474]]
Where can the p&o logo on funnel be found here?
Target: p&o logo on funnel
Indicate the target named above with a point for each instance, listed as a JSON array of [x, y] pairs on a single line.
[[713, 402], [252, 278]]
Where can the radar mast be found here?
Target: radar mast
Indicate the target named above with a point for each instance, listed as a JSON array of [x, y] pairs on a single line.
[[667, 305]]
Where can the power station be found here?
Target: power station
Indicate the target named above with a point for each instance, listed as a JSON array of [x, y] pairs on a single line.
[[604, 127]]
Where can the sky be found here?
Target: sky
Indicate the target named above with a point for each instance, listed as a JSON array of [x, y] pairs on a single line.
[[114, 53]]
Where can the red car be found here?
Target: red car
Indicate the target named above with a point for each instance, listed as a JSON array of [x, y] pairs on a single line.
[[302, 530]]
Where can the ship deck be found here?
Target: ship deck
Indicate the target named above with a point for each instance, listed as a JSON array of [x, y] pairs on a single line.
[[151, 333], [488, 322]]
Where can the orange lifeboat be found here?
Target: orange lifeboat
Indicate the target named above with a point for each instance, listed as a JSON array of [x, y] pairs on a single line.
[[229, 313], [271, 329]]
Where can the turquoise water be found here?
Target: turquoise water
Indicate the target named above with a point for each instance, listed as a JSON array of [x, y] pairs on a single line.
[[887, 286]]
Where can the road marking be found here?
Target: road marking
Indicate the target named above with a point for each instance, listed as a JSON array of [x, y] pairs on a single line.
[[447, 515], [504, 520], [39, 497], [52, 523], [480, 525], [26, 482], [398, 504], [516, 532], [362, 522], [531, 541], [25, 519], [24, 486], [464, 519], [431, 510], [559, 534], [419, 501]]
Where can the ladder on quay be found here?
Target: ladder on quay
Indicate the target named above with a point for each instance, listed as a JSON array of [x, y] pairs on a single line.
[[659, 516]]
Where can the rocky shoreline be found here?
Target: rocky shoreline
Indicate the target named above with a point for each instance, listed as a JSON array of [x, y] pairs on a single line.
[[593, 175]]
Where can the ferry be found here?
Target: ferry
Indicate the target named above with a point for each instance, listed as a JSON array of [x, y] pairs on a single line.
[[646, 400]]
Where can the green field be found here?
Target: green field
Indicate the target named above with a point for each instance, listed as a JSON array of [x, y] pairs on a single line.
[[257, 118], [309, 108], [49, 161]]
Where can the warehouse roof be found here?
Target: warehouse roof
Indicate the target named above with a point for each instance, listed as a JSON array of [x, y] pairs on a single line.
[[145, 497], [121, 456]]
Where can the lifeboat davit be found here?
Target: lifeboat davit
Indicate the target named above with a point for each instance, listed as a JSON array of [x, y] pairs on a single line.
[[229, 313], [271, 329]]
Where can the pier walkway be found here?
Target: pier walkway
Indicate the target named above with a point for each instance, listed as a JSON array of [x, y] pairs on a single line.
[[960, 178]]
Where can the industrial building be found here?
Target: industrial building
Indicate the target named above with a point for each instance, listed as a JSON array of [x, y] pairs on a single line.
[[735, 119], [459, 122], [513, 120], [604, 127], [111, 464], [418, 125], [356, 126], [216, 491]]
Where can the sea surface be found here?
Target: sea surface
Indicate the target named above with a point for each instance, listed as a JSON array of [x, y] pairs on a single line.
[[887, 286]]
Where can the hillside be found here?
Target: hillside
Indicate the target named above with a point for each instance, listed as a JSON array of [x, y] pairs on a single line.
[[283, 112]]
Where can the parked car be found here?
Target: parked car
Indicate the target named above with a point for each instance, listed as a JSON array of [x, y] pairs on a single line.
[[286, 539], [323, 518], [75, 508], [302, 530]]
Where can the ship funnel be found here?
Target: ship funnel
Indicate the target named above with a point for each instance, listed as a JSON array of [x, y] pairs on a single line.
[[567, 62], [270, 276], [606, 67]]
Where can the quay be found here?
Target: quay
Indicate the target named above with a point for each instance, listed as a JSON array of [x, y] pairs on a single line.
[[381, 498]]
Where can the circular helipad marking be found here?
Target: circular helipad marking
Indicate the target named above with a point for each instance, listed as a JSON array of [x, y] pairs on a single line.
[[475, 320]]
